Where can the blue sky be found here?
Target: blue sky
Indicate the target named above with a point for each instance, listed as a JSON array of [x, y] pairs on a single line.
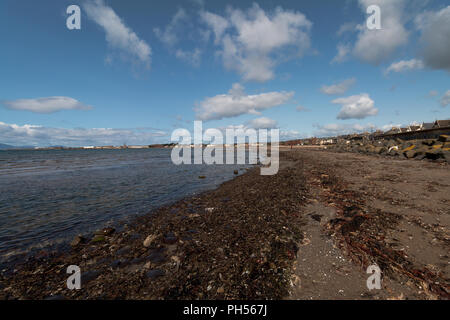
[[137, 70]]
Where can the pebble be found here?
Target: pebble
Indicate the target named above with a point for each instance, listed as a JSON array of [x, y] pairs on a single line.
[[155, 273]]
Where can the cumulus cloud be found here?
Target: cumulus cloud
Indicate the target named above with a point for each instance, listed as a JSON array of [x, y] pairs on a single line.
[[445, 100], [356, 107], [332, 130], [338, 88], [250, 41], [435, 38], [27, 134], [118, 35], [302, 109], [191, 57], [342, 54], [168, 35], [375, 46], [262, 123], [405, 65], [237, 103], [45, 105]]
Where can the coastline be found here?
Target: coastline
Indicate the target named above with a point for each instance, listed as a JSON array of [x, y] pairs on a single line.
[[247, 239]]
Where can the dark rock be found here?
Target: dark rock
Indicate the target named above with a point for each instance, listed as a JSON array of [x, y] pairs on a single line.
[[236, 172], [89, 276], [98, 238], [444, 138], [434, 154], [170, 238], [202, 177], [156, 273], [157, 256], [55, 297], [77, 241], [123, 251], [117, 264]]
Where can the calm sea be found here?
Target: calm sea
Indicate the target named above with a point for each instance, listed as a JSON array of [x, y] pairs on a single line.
[[48, 197]]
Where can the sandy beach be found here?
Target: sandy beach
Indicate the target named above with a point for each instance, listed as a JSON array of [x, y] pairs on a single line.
[[308, 232]]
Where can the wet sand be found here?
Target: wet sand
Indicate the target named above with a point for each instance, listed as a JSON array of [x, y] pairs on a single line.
[[308, 232]]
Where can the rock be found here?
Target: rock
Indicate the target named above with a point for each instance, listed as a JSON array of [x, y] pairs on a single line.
[[98, 238], [236, 172], [202, 177], [149, 240], [89, 276], [429, 142], [434, 154], [156, 273], [55, 297], [157, 256], [411, 147], [108, 231], [77, 241], [444, 138], [170, 238]]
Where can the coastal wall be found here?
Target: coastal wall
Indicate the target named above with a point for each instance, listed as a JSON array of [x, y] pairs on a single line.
[[415, 135]]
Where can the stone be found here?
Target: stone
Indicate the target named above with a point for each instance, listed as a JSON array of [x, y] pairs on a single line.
[[89, 276], [77, 241], [236, 172], [157, 256], [170, 238], [444, 138], [55, 297], [98, 238], [149, 240], [155, 273]]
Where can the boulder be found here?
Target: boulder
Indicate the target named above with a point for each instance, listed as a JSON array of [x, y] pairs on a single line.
[[77, 241], [444, 138], [435, 154], [149, 240]]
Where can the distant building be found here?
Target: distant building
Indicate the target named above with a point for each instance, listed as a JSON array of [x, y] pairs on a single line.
[[441, 124]]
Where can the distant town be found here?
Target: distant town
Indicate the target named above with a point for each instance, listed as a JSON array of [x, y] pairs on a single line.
[[425, 130]]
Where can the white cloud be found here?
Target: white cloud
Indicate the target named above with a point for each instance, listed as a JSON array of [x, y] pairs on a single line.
[[356, 107], [251, 40], [342, 54], [338, 88], [347, 27], [191, 57], [375, 46], [302, 109], [237, 103], [14, 134], [445, 100], [405, 65], [435, 38], [45, 105], [332, 130], [217, 23], [118, 35], [168, 35], [433, 93], [262, 123]]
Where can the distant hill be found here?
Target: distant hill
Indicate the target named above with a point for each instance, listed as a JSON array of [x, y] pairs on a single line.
[[7, 146]]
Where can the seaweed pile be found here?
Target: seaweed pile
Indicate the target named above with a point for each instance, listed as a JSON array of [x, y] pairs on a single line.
[[236, 242], [362, 233]]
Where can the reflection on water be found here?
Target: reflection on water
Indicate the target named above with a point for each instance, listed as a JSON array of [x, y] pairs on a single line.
[[50, 196]]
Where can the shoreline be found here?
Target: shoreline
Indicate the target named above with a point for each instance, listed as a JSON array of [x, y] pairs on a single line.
[[254, 237]]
